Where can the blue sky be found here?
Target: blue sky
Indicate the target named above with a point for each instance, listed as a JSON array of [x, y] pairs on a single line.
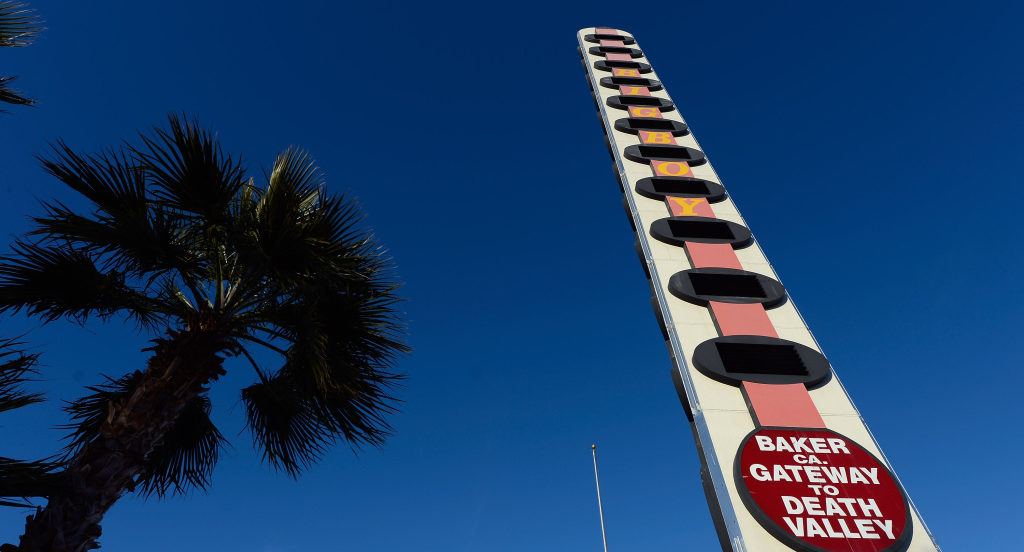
[[873, 150]]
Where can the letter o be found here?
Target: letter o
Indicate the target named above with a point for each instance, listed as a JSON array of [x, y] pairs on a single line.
[[676, 168]]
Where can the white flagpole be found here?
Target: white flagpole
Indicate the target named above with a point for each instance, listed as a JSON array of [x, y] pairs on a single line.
[[600, 508]]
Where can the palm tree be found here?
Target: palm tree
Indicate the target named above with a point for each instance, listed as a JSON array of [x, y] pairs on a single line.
[[18, 27], [178, 240]]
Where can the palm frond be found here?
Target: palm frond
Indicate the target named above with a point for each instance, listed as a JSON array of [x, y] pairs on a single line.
[[190, 172], [127, 230], [19, 24], [89, 412], [285, 424], [304, 242], [15, 366], [293, 425], [61, 282], [354, 328], [21, 480], [187, 454], [280, 223], [336, 383], [295, 172], [10, 95], [150, 244], [112, 181]]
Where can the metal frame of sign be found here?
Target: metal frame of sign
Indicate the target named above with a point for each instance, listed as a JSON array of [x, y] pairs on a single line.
[[679, 228]]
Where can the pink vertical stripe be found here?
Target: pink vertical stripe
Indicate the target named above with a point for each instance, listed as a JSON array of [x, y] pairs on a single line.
[[712, 255], [742, 319], [787, 405]]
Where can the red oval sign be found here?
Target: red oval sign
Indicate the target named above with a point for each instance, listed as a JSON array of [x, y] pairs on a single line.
[[818, 491]]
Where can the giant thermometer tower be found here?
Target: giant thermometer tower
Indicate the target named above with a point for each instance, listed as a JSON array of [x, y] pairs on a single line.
[[786, 460]]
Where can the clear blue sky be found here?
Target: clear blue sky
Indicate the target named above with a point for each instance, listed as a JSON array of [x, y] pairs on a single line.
[[874, 151]]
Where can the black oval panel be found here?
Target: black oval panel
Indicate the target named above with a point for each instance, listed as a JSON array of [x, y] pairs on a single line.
[[678, 230], [645, 153], [606, 65], [657, 187], [632, 125], [734, 359], [605, 50], [726, 285], [624, 102], [616, 82], [595, 38]]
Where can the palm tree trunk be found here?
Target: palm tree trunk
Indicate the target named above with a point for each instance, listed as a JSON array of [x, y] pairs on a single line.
[[106, 468]]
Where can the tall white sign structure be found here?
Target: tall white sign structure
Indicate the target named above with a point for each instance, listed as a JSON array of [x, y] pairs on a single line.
[[786, 459]]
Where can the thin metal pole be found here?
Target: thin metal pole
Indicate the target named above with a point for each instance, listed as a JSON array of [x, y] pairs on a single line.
[[600, 507]]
